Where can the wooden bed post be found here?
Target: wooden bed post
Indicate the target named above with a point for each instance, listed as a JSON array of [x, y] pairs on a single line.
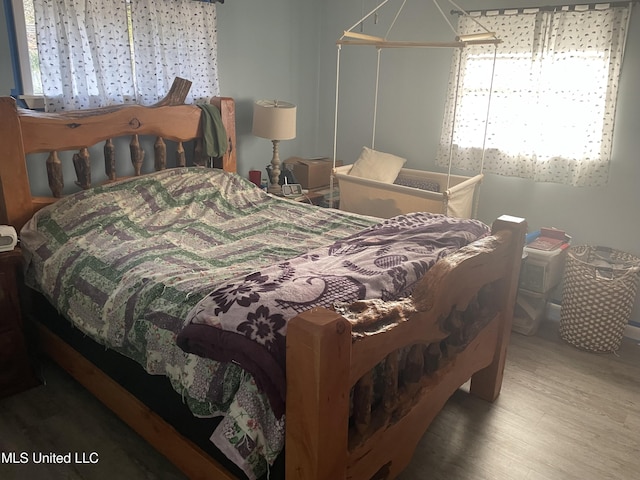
[[487, 382], [318, 362], [16, 207]]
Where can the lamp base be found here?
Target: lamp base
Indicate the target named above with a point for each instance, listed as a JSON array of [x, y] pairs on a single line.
[[274, 185], [275, 190]]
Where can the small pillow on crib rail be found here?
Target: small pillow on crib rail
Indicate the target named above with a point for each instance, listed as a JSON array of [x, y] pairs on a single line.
[[375, 165]]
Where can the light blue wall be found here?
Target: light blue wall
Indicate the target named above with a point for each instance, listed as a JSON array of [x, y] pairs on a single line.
[[413, 106], [268, 50], [412, 101], [286, 49], [411, 85]]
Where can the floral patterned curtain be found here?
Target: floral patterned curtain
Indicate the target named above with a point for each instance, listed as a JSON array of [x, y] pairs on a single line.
[[95, 53], [553, 99]]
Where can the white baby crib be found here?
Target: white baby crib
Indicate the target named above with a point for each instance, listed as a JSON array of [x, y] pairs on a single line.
[[412, 192]]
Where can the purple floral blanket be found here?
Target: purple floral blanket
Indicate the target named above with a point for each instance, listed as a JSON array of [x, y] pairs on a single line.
[[245, 320]]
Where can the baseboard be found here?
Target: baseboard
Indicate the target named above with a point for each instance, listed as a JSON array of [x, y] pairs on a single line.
[[552, 313], [632, 332]]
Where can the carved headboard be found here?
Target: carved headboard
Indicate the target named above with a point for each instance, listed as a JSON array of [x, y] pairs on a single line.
[[24, 132]]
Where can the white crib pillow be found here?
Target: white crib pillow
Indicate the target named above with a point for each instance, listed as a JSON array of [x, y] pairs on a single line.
[[375, 165]]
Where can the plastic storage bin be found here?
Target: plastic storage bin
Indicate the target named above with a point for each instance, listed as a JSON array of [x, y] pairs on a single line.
[[542, 270]]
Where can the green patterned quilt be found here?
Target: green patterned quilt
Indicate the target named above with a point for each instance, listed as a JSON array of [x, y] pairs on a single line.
[[127, 262]]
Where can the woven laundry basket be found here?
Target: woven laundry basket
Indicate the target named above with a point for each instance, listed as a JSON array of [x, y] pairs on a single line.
[[599, 290]]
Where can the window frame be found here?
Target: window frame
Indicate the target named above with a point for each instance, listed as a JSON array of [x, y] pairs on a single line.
[[21, 55]]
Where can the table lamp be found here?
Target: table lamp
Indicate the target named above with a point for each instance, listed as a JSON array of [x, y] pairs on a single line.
[[274, 120]]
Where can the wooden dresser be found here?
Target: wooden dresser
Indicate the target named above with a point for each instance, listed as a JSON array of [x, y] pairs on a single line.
[[16, 369]]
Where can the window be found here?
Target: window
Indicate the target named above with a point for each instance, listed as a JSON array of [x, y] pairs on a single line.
[[550, 101], [27, 52], [103, 52]]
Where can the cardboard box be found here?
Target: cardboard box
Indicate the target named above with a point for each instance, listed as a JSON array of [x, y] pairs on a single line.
[[311, 172]]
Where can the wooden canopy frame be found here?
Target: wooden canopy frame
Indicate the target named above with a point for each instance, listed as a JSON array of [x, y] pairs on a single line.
[[353, 38]]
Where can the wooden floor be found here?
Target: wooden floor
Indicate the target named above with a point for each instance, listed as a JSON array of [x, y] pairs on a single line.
[[563, 414]]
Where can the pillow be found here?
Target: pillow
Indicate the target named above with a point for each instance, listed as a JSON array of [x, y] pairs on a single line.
[[375, 165]]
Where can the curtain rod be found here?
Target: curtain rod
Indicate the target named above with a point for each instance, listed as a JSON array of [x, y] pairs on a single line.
[[592, 6]]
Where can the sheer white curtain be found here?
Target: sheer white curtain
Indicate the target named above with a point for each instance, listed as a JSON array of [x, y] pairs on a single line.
[[554, 96], [174, 38], [83, 45], [95, 53]]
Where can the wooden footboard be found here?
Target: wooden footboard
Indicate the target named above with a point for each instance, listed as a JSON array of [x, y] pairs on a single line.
[[364, 384]]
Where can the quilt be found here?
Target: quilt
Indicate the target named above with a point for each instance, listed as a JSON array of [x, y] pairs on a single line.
[[126, 262], [245, 321]]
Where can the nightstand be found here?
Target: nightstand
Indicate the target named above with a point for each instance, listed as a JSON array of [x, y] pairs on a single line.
[[16, 370]]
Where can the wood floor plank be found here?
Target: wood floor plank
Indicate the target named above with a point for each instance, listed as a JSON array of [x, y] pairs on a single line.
[[61, 416], [563, 414]]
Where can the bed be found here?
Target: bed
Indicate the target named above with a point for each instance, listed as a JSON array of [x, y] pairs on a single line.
[[357, 380]]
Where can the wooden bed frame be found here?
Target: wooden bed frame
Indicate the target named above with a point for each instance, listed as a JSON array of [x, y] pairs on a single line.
[[337, 426]]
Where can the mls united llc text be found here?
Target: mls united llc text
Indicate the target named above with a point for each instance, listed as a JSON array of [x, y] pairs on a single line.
[[52, 457]]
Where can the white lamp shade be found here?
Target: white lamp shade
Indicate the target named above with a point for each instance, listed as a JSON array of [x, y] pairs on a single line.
[[274, 120]]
